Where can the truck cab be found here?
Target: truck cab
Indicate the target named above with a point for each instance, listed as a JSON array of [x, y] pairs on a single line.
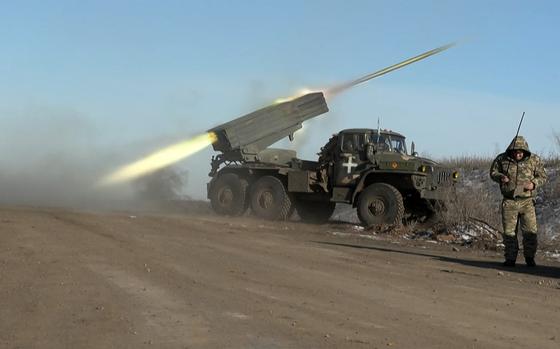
[[373, 171], [359, 149]]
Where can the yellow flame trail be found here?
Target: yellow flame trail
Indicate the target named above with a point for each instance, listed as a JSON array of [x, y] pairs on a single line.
[[160, 159]]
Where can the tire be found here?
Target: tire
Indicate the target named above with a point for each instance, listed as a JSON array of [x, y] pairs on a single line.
[[270, 199], [379, 204], [228, 195], [315, 212]]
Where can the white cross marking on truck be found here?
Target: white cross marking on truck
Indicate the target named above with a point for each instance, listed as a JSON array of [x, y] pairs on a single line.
[[350, 164]]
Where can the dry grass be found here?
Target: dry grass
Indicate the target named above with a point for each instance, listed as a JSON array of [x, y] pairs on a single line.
[[477, 199], [472, 206], [467, 163], [553, 160]]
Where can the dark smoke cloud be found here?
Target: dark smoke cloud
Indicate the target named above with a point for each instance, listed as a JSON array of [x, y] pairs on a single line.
[[161, 186]]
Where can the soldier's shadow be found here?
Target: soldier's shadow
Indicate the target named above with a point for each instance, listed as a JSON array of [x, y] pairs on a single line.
[[540, 270]]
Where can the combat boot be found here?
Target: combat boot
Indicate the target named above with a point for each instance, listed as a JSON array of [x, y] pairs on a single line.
[[530, 261], [509, 263]]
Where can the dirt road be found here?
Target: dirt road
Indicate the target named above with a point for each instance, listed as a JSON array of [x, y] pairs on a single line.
[[116, 280]]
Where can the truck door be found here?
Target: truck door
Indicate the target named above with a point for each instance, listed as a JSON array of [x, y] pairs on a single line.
[[350, 159]]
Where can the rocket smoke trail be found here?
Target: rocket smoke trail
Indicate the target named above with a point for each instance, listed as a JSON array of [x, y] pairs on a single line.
[[342, 87]]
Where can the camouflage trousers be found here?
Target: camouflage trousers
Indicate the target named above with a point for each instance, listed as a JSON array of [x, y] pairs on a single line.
[[522, 212]]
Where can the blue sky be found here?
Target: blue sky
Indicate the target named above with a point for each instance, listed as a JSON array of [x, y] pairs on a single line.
[[129, 76]]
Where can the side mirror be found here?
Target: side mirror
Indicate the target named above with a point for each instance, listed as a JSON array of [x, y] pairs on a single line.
[[413, 149]]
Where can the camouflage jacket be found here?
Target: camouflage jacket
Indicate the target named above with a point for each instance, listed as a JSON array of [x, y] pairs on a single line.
[[529, 169]]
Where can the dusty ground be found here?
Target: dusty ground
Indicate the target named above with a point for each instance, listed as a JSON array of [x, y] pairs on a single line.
[[138, 280]]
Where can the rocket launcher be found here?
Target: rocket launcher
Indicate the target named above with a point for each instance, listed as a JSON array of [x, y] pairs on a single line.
[[243, 138]]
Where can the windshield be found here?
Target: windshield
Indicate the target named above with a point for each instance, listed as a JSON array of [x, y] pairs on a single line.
[[389, 142], [398, 144]]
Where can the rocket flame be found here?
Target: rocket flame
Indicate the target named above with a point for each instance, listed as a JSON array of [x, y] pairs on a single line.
[[160, 159]]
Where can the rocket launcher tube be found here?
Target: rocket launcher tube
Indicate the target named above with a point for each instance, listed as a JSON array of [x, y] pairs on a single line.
[[244, 137]]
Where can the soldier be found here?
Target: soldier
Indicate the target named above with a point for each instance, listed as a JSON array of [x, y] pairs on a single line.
[[519, 174]]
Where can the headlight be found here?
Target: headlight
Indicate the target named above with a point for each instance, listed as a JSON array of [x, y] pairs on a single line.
[[455, 175], [423, 168]]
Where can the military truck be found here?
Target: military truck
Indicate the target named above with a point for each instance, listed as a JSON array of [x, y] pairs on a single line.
[[369, 169]]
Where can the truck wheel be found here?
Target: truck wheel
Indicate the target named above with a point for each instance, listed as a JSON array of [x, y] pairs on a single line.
[[228, 195], [270, 200], [316, 212], [380, 203]]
